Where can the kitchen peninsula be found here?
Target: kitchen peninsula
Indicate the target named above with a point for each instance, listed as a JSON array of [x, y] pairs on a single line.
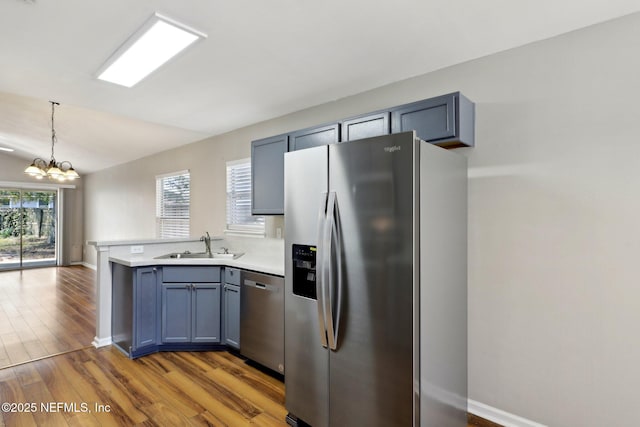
[[261, 255]]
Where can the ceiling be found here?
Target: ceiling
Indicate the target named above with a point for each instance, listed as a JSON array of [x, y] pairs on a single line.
[[261, 59]]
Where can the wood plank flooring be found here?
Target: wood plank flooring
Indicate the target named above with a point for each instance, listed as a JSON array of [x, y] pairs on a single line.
[[103, 387], [45, 311]]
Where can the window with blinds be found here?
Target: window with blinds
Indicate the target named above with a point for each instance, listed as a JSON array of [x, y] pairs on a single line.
[[173, 200], [239, 218]]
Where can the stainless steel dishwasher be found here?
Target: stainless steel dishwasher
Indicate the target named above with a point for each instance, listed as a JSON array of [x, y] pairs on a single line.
[[262, 319]]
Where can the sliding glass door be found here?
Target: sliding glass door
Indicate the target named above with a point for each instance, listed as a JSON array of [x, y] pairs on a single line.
[[10, 228], [28, 228]]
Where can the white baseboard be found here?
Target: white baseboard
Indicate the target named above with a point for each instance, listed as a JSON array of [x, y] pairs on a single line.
[[499, 416], [86, 264], [101, 342]]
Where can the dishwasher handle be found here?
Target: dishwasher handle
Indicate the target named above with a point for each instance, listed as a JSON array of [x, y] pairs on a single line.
[[261, 286]]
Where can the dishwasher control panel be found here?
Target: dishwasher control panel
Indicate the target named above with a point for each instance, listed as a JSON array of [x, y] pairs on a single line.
[[304, 271]]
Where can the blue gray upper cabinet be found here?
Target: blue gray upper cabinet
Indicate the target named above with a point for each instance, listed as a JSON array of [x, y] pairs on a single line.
[[445, 120], [313, 137], [369, 125], [267, 175]]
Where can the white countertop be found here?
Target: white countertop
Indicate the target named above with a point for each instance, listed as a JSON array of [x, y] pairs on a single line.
[[98, 243], [256, 261]]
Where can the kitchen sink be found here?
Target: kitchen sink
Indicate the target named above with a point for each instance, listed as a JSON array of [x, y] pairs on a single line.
[[185, 255], [230, 255]]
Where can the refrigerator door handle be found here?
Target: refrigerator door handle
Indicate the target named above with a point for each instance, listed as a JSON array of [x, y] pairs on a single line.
[[332, 232], [320, 255], [338, 258]]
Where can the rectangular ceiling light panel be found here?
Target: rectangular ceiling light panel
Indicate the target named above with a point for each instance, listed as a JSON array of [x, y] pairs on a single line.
[[159, 40]]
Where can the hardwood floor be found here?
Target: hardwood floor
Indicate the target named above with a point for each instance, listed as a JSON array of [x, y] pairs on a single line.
[[103, 387], [45, 311]]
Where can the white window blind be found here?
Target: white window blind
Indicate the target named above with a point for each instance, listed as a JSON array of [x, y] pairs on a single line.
[[239, 218], [173, 200]]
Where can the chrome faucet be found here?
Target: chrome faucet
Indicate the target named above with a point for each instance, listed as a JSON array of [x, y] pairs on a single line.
[[207, 243]]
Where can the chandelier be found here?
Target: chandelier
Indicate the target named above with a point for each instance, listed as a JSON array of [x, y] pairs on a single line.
[[55, 171]]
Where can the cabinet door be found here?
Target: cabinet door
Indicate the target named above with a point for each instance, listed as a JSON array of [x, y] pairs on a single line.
[[176, 312], [205, 304], [365, 126], [146, 307], [232, 315], [122, 312], [267, 175], [313, 137], [433, 119]]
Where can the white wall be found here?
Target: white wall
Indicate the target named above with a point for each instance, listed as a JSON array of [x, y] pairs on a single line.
[[554, 296], [120, 202]]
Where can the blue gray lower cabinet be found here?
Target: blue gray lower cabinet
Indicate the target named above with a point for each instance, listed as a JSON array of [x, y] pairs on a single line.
[[231, 307], [135, 309], [205, 321], [232, 315], [191, 305], [190, 313], [166, 308], [146, 303], [176, 312]]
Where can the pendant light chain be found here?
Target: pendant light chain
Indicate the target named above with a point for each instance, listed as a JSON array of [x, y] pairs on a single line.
[[53, 131]]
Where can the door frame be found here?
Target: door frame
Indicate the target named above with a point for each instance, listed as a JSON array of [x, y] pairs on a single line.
[[59, 212]]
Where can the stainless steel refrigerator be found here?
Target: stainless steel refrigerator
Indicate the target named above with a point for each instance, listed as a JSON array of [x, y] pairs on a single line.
[[376, 284]]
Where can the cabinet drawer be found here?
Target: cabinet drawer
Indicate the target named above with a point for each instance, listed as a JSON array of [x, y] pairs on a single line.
[[232, 276], [191, 274]]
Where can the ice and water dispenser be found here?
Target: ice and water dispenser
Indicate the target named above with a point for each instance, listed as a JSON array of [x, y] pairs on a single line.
[[304, 271]]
